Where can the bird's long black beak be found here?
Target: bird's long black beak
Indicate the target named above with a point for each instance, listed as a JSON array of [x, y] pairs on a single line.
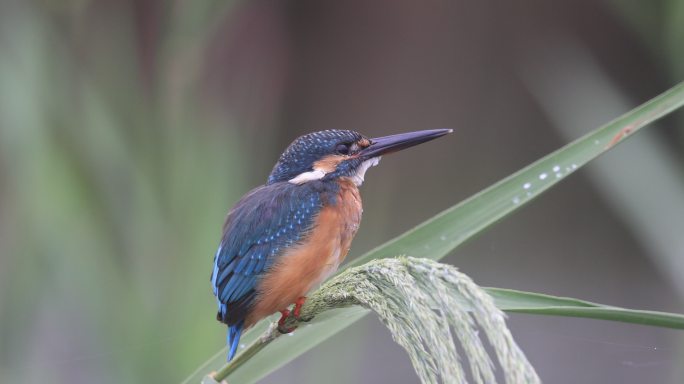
[[388, 144]]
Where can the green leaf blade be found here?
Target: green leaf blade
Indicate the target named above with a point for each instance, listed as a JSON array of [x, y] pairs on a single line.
[[535, 303], [440, 235], [632, 316]]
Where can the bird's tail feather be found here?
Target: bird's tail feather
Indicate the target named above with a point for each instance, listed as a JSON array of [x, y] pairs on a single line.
[[233, 338]]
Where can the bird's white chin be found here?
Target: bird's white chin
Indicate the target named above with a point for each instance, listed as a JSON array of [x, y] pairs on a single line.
[[358, 177]]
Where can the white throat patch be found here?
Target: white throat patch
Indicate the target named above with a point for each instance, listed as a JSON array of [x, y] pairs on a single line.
[[357, 178], [317, 174]]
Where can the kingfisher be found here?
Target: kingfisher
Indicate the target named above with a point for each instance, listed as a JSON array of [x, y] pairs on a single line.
[[283, 239]]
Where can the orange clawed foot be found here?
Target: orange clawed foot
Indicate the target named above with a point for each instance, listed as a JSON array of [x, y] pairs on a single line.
[[284, 314], [298, 306]]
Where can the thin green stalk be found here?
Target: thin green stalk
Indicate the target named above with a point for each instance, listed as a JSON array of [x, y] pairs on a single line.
[[405, 292], [443, 233]]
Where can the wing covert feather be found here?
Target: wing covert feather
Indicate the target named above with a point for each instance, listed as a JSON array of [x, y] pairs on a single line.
[[258, 229]]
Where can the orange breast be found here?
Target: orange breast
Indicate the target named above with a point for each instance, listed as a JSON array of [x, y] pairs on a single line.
[[308, 264]]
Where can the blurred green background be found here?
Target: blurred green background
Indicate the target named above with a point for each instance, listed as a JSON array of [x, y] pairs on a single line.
[[129, 128]]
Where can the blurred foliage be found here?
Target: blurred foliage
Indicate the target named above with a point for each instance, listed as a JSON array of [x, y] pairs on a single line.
[[117, 165], [106, 186], [660, 25]]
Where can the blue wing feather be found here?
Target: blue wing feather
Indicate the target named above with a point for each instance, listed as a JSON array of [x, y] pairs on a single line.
[[233, 338], [261, 225], [258, 229]]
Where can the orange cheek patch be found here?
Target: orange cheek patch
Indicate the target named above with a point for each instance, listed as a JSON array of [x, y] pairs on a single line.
[[329, 163], [364, 143]]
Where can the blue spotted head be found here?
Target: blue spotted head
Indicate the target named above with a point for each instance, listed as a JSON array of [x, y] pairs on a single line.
[[333, 154]]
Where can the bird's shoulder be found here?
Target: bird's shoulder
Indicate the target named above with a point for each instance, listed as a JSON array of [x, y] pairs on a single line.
[[269, 207]]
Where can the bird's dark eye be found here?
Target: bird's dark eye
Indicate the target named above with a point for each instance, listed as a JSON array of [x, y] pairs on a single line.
[[342, 149]]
